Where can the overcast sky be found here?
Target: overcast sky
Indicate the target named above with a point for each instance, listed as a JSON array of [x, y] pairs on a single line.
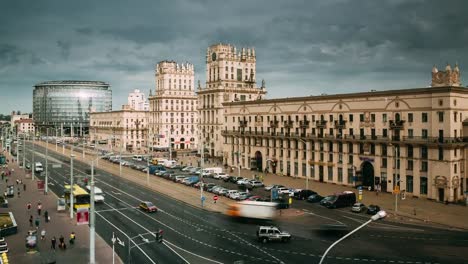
[[302, 47]]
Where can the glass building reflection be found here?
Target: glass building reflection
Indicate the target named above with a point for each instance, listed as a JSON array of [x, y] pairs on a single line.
[[64, 106]]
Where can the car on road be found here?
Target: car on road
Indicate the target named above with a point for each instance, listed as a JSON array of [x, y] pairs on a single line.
[[223, 191], [358, 208], [272, 233], [301, 194], [28, 166], [269, 187], [344, 199], [314, 198], [38, 167], [219, 175], [234, 179], [242, 182], [243, 196], [179, 178], [188, 168], [148, 207], [373, 209], [208, 186], [232, 193], [254, 184], [284, 190]]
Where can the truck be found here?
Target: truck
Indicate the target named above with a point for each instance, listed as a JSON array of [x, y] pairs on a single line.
[[252, 210]]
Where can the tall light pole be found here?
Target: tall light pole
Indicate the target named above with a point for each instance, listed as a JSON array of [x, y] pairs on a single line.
[[396, 189], [24, 151], [33, 154], [71, 185], [47, 163], [379, 215], [202, 156], [92, 217], [147, 163]]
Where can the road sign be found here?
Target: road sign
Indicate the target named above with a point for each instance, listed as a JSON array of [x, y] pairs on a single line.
[[56, 166], [396, 190], [40, 185]]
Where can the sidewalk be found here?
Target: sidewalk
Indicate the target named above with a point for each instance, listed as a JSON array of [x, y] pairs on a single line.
[[60, 224], [409, 210]]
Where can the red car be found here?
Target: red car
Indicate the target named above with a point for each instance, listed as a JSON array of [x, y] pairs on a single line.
[[148, 207]]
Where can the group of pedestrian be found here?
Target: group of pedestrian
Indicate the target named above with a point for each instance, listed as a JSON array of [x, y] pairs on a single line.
[[62, 244]]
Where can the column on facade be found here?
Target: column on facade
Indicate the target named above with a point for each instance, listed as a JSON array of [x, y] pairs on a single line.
[[346, 164]]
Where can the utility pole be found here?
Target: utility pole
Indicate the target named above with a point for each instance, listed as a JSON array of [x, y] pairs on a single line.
[[24, 151], [147, 163], [46, 164], [71, 185], [92, 230], [202, 156], [33, 154]]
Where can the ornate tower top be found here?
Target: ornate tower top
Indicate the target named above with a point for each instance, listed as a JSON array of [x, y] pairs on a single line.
[[448, 77]]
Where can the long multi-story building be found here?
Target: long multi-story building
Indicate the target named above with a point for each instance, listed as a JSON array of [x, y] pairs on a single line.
[[413, 139], [230, 77], [173, 107], [125, 129]]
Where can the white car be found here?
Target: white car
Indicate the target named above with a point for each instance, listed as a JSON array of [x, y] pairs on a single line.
[[232, 193], [269, 187], [98, 194], [219, 175], [243, 181], [38, 167], [284, 190]]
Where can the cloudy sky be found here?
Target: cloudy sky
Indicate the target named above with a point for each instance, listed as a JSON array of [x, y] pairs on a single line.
[[302, 47]]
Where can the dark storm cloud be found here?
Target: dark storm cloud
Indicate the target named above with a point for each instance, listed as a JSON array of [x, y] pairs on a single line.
[[304, 46]]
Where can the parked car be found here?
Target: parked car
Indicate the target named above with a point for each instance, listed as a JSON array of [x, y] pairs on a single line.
[[358, 208], [208, 186], [219, 175], [314, 198], [269, 187], [284, 190], [243, 196], [373, 209], [234, 179], [148, 207], [302, 194], [215, 189], [230, 193], [223, 191], [179, 178], [254, 184], [188, 168], [242, 182]]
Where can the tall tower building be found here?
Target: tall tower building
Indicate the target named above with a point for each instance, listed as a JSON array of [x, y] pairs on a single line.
[[173, 107], [230, 76]]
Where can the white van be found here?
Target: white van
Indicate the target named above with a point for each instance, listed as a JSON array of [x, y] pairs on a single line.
[[38, 167], [208, 171], [137, 157], [170, 163], [98, 194]]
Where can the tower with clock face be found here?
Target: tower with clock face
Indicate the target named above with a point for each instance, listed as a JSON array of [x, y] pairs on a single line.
[[230, 77]]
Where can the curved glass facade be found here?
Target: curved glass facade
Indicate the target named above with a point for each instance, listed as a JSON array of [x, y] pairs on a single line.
[[68, 103]]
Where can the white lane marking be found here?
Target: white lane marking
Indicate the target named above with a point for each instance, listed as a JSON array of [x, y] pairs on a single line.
[[324, 217], [165, 244], [142, 251], [383, 226], [116, 209]]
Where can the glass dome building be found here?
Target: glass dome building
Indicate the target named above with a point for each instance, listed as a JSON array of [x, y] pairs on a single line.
[[64, 106]]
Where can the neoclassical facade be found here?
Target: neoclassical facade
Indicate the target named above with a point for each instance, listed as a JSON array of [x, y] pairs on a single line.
[[173, 107], [125, 129], [413, 138], [230, 77]]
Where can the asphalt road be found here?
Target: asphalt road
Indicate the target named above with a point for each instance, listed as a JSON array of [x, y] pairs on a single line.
[[198, 236]]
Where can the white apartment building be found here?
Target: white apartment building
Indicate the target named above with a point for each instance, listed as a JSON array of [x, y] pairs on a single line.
[[15, 116], [230, 77], [125, 129], [413, 140], [25, 126], [137, 101], [173, 107]]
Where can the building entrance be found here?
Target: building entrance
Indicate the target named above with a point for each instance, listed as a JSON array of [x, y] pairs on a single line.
[[367, 172], [441, 194]]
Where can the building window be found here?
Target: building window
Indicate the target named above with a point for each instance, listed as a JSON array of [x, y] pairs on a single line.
[[424, 117], [384, 118], [372, 118], [455, 168], [409, 183], [384, 162], [424, 166], [410, 151], [423, 185], [409, 165], [361, 117], [384, 133], [410, 117], [441, 117], [330, 173], [350, 159], [441, 153], [423, 152], [410, 133], [340, 175], [424, 133], [351, 118]]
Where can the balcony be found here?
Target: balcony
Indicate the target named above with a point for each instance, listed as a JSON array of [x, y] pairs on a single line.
[[396, 124], [243, 123], [288, 124], [436, 140], [340, 124], [304, 123], [274, 124], [321, 123]]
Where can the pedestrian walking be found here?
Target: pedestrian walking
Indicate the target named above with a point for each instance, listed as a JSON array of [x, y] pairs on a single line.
[[39, 208], [5, 194], [62, 244], [46, 216], [37, 222], [72, 238], [53, 242], [31, 221], [17, 181], [215, 198], [19, 194], [29, 206], [43, 233], [24, 187]]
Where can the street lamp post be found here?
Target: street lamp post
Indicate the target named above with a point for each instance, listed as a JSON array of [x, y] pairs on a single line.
[[202, 156], [46, 164], [33, 155], [24, 151], [92, 217], [71, 186], [379, 215]]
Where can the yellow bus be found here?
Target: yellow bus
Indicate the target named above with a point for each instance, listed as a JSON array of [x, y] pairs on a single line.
[[81, 197]]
